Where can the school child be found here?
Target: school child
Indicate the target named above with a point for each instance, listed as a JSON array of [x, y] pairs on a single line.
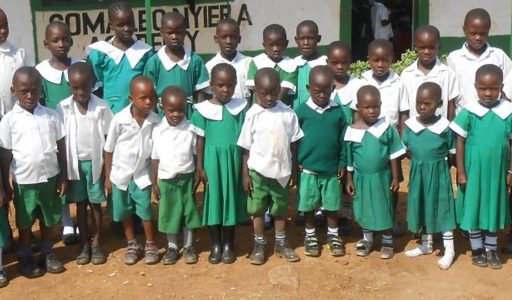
[[219, 162], [321, 168], [227, 35], [381, 20], [429, 141], [117, 61], [428, 67], [373, 149], [483, 165], [55, 89], [86, 121], [475, 52], [4, 232], [307, 38], [269, 134], [127, 167], [174, 65], [33, 149], [275, 44], [173, 176]]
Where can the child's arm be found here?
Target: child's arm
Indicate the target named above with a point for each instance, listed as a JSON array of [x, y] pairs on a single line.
[[395, 182], [283, 93], [154, 179], [403, 116], [5, 165], [201, 174], [461, 168], [3, 197], [350, 184], [451, 110], [107, 156], [295, 166], [63, 164], [245, 173]]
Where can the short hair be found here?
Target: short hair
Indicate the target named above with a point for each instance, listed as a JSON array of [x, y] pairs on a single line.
[[228, 22], [173, 91], [489, 69], [81, 68], [2, 12], [307, 23], [368, 90], [174, 16], [430, 29], [320, 71], [118, 7], [477, 13], [140, 79], [274, 29], [431, 86], [339, 45], [26, 71], [380, 43], [57, 24], [223, 67], [266, 74]]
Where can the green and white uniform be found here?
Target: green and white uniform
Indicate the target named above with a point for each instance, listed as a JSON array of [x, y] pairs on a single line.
[[55, 83], [303, 69]]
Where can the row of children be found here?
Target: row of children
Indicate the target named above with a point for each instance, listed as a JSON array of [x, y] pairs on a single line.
[[252, 151]]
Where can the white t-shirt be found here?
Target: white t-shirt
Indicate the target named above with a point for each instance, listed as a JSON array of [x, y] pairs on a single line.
[[83, 140], [11, 59], [380, 12]]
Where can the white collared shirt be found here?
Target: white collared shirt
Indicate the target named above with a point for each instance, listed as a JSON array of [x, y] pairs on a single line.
[[32, 138], [11, 59], [412, 78], [174, 147], [348, 93], [465, 64], [133, 54], [100, 116], [378, 13], [241, 65], [393, 96], [267, 134], [132, 146], [437, 128], [319, 109], [286, 64], [320, 61], [215, 112], [51, 74]]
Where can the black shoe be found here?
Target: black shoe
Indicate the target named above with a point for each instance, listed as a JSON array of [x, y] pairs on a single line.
[[479, 258], [311, 246], [215, 256], [52, 264], [189, 255], [171, 256], [228, 252], [4, 280], [85, 255], [493, 261], [284, 250], [258, 254], [98, 256], [28, 268]]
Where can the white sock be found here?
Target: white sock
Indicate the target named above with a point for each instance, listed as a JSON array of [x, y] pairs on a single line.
[[332, 231], [491, 242], [188, 237], [368, 235], [475, 238], [172, 241], [425, 248], [449, 251], [310, 232], [67, 222]]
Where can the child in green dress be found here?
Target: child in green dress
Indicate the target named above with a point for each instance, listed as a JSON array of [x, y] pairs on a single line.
[[174, 65], [373, 149], [173, 176], [219, 162], [484, 170], [117, 61], [430, 206], [321, 168]]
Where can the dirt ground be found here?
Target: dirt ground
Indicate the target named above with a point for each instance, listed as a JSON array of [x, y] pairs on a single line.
[[326, 277]]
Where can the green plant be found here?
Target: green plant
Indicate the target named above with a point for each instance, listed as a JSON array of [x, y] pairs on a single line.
[[359, 67]]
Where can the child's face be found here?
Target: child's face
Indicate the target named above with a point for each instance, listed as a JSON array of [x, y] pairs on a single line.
[[427, 102], [143, 96], [275, 44], [426, 47], [27, 89], [476, 31], [307, 39], [223, 86], [123, 25], [339, 61], [267, 93], [228, 37], [81, 87], [58, 41], [488, 87], [173, 33], [4, 28], [174, 108], [320, 89], [380, 59], [368, 108]]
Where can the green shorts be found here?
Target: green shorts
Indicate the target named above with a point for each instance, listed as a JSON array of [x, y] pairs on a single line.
[[133, 200], [85, 188], [267, 193], [317, 191], [177, 207], [37, 201]]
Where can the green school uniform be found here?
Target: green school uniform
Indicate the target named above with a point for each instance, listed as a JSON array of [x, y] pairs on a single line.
[[303, 69], [346, 95], [115, 69], [286, 69], [430, 199], [368, 155], [4, 227], [224, 198], [483, 204], [55, 83], [190, 74]]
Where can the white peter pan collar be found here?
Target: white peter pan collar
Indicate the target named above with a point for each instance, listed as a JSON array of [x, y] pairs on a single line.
[[263, 61], [437, 128], [339, 92], [503, 109], [133, 54], [320, 61], [319, 109], [51, 74], [214, 111], [377, 130], [169, 64]]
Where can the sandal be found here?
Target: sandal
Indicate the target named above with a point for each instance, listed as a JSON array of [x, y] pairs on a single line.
[[311, 247], [363, 248], [336, 245]]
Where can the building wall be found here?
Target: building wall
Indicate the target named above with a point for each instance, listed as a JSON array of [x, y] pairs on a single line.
[[20, 25]]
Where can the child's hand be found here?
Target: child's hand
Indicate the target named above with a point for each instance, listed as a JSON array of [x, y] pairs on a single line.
[[509, 181], [62, 187], [341, 173], [3, 200], [350, 188], [156, 192], [247, 185], [108, 187], [201, 175], [462, 179], [395, 185]]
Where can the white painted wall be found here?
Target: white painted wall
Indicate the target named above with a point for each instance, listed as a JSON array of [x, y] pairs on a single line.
[[20, 25]]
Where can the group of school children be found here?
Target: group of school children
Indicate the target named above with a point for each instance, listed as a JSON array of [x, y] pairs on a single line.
[[249, 129]]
